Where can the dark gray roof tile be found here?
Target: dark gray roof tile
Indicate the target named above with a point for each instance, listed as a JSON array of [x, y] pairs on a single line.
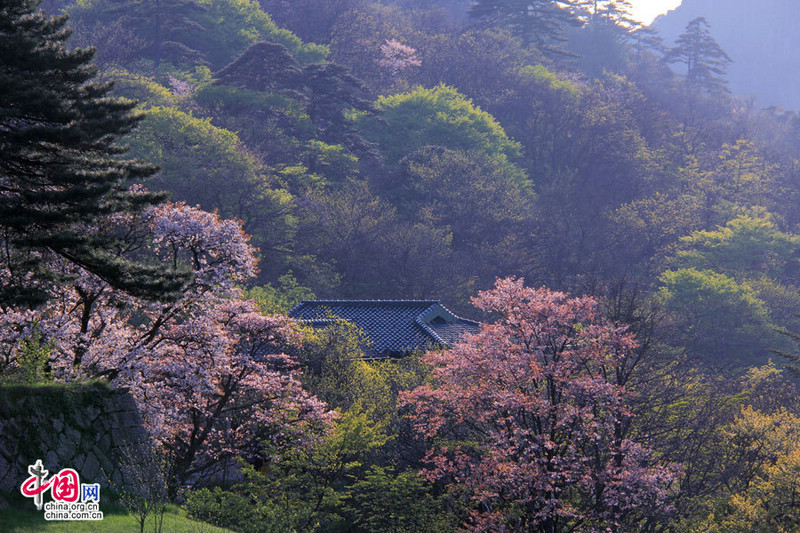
[[393, 326]]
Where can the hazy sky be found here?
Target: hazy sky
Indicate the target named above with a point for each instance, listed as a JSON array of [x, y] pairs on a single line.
[[647, 10]]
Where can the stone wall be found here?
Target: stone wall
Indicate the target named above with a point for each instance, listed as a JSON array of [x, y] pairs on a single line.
[[90, 428]]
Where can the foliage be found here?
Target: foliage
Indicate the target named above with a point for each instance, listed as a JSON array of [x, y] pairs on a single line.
[[205, 368], [141, 88], [299, 490], [746, 246], [739, 178], [279, 300], [587, 155], [387, 501], [270, 124], [647, 226], [484, 202], [793, 358], [357, 35], [440, 116], [297, 103], [333, 361], [265, 67], [208, 166], [523, 416], [768, 502], [717, 318], [706, 62], [32, 360], [226, 509], [485, 186], [62, 168], [756, 448], [182, 32], [198, 162], [688, 416], [479, 62], [311, 20], [154, 23], [234, 25], [538, 22]]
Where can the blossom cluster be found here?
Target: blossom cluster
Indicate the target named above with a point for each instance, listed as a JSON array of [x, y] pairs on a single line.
[[397, 57], [524, 416], [206, 368]]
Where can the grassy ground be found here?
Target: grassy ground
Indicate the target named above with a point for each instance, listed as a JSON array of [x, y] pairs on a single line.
[[115, 520]]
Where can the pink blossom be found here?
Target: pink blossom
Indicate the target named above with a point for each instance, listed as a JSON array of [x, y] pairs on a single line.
[[206, 369], [535, 417], [396, 57]]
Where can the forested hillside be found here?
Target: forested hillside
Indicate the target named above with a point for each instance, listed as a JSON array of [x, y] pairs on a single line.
[[594, 190], [421, 152]]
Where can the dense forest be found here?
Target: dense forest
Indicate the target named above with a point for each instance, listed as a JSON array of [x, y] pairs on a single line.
[[175, 175]]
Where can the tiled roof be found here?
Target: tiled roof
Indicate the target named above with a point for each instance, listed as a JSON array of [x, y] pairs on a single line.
[[450, 333], [393, 326]]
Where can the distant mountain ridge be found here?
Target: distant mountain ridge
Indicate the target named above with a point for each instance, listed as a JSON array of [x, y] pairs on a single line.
[[761, 36]]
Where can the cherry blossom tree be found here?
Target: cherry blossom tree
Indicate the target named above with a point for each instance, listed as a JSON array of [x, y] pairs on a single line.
[[397, 57], [205, 368], [524, 416]]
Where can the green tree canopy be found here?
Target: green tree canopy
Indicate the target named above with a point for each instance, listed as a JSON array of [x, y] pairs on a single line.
[[722, 321], [206, 165], [231, 26], [440, 116], [746, 246], [181, 32]]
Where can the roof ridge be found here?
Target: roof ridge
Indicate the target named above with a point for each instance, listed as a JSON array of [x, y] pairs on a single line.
[[425, 327], [449, 311], [394, 325], [295, 308]]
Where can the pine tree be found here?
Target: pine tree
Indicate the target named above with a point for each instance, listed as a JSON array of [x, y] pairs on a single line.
[[328, 90], [617, 12], [537, 22], [162, 26], [62, 168], [267, 67], [706, 62], [793, 363]]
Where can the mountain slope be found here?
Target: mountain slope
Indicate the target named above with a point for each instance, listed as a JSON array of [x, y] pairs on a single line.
[[761, 36]]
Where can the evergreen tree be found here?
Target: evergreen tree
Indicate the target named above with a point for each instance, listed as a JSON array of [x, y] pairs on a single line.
[[62, 170], [793, 358], [267, 67], [328, 91], [603, 43], [161, 26], [706, 62], [537, 22], [617, 12], [332, 91]]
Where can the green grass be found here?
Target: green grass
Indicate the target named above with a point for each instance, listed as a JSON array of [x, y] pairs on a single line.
[[115, 520]]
